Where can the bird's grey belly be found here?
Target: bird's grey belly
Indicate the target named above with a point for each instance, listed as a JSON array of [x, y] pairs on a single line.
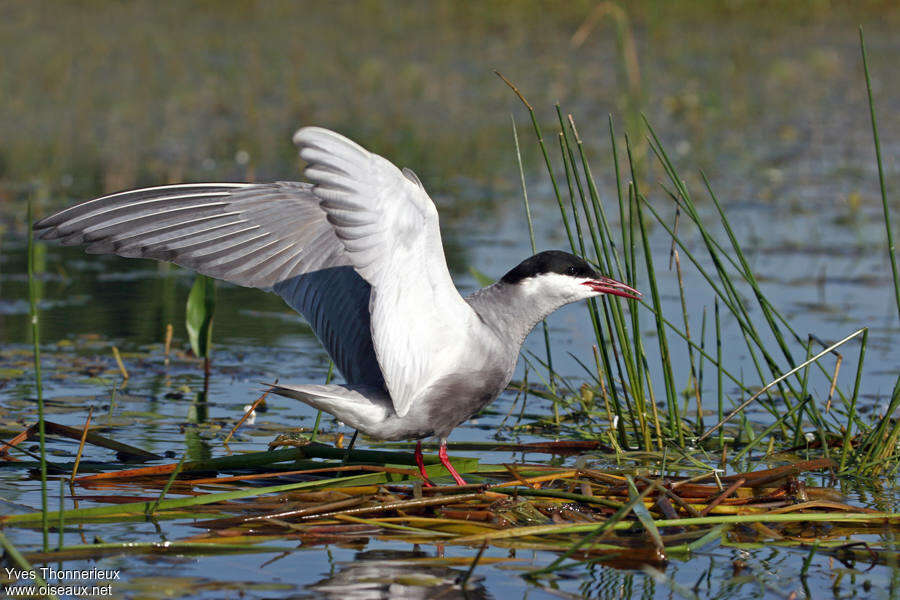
[[448, 402]]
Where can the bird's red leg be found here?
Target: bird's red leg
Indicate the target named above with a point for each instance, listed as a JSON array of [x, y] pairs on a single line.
[[420, 461], [442, 454]]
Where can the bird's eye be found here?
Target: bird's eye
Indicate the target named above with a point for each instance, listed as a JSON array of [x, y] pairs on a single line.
[[570, 271]]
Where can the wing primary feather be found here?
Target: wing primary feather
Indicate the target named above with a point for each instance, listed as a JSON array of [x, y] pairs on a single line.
[[214, 254], [177, 232], [63, 215], [140, 208], [213, 238], [97, 230]]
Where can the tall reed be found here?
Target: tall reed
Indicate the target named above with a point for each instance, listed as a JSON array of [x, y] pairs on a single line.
[[625, 252], [892, 250], [36, 339]]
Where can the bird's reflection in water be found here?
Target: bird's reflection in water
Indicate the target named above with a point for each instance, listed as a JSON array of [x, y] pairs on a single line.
[[397, 574]]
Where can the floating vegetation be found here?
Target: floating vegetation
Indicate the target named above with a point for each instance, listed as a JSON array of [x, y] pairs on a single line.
[[620, 517]]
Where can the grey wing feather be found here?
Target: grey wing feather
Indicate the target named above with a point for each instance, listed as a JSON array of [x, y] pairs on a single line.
[[249, 234], [271, 236]]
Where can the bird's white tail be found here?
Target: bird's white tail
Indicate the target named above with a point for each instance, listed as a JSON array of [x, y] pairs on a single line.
[[358, 406]]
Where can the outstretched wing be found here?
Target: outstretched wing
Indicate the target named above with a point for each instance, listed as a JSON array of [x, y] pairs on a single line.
[[389, 228], [270, 236]]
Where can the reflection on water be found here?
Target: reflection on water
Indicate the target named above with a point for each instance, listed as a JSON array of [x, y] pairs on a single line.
[[376, 574]]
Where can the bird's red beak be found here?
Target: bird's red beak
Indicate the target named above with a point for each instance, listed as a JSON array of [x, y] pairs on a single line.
[[611, 286]]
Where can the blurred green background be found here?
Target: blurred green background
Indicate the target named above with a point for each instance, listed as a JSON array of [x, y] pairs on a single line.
[[101, 96], [766, 97]]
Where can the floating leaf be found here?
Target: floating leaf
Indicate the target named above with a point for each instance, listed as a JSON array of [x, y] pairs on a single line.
[[201, 305]]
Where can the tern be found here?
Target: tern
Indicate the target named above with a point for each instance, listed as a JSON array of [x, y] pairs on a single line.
[[357, 252]]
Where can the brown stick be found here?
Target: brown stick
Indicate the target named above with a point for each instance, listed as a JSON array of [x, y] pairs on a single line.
[[84, 433], [718, 499], [259, 401]]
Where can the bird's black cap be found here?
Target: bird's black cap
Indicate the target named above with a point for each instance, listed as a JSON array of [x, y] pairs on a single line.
[[551, 261]]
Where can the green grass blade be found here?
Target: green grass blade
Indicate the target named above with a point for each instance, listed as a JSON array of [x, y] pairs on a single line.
[[168, 485]]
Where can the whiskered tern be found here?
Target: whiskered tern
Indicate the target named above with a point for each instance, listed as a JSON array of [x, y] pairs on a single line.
[[357, 251]]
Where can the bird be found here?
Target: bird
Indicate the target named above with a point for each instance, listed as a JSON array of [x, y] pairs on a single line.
[[357, 251]]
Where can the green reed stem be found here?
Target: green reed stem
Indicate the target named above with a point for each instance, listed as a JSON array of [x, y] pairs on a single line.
[[803, 392], [17, 558], [674, 421], [613, 305], [736, 305], [544, 327], [879, 442], [748, 276], [765, 432], [165, 489], [892, 254], [720, 392], [328, 376], [36, 338], [845, 450], [604, 248], [720, 253]]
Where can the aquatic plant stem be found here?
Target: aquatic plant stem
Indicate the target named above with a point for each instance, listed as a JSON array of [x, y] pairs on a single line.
[[464, 580], [17, 558], [852, 413], [166, 487], [775, 382], [674, 421], [604, 247], [797, 409], [36, 338], [534, 251], [352, 443], [720, 392], [84, 434], [879, 442], [328, 377], [892, 255]]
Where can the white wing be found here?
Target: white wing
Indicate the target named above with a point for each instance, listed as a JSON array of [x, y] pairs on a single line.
[[389, 228], [258, 235]]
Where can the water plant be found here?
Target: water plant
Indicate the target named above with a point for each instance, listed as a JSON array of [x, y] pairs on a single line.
[[201, 305], [891, 248], [38, 384], [622, 375]]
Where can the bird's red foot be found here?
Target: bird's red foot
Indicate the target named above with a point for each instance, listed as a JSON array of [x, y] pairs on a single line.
[[442, 454], [420, 461]]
